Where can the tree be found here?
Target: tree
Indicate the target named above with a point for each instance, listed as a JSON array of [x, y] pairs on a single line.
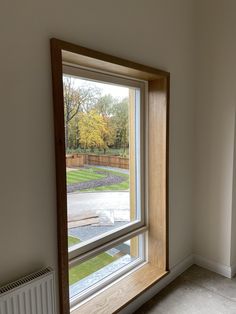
[[73, 133], [108, 133], [82, 104], [116, 113], [94, 131], [105, 104], [121, 122], [76, 99], [104, 107]]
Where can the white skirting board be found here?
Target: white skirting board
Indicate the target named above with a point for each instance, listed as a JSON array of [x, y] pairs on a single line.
[[233, 271], [224, 270]]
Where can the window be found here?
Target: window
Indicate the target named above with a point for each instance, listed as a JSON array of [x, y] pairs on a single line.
[[111, 122], [118, 260], [104, 132]]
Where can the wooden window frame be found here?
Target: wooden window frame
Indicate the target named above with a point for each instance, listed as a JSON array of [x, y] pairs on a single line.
[[156, 178]]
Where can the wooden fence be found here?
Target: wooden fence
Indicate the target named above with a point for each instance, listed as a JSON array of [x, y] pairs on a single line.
[[79, 160], [75, 160]]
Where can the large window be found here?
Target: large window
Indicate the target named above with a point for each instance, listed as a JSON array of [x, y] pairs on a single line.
[[111, 139], [104, 145]]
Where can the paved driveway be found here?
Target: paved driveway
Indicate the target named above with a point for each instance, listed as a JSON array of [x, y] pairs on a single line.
[[113, 206]]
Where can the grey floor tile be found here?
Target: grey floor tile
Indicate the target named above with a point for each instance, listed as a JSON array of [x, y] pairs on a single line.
[[212, 281], [191, 294]]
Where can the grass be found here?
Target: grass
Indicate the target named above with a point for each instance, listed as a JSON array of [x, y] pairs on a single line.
[[82, 175], [86, 268], [72, 241], [114, 187]]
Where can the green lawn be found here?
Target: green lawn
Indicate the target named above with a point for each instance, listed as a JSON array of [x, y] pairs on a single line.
[[82, 175], [86, 268], [72, 241], [114, 187]]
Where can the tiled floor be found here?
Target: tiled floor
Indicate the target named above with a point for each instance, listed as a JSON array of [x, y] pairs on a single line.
[[196, 291]]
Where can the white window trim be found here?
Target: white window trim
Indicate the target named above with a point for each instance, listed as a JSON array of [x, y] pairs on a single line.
[[101, 240], [111, 279]]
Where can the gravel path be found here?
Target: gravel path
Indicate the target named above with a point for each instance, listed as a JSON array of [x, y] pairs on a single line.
[[121, 170], [108, 180]]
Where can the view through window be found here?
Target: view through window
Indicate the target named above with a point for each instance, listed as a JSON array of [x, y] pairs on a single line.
[[103, 172]]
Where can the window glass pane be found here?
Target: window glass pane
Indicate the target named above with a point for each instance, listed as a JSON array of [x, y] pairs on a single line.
[[102, 135], [106, 265]]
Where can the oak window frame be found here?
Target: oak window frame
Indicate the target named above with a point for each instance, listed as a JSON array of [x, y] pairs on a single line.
[[156, 185]]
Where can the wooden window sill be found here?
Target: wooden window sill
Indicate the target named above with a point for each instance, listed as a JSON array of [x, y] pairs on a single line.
[[121, 293]]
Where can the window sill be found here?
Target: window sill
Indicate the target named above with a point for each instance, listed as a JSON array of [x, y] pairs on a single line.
[[118, 295]]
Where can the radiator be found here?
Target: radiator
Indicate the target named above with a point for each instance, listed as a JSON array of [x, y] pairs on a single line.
[[33, 294]]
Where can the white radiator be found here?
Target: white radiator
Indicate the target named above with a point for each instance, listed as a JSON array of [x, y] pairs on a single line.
[[33, 294]]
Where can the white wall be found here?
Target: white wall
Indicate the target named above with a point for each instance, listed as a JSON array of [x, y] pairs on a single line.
[[215, 129], [233, 224], [158, 33]]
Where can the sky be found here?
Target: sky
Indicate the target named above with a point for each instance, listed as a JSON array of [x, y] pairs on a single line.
[[116, 91]]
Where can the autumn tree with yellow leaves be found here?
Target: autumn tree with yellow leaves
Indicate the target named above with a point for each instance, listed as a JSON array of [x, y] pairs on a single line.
[[95, 131], [94, 121]]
